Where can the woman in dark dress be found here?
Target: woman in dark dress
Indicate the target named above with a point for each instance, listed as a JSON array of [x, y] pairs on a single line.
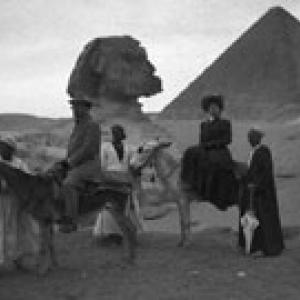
[[260, 179], [217, 182]]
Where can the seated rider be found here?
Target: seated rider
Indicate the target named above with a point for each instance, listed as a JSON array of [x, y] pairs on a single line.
[[82, 160], [217, 181]]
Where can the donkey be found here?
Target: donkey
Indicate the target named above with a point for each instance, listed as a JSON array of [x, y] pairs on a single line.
[[39, 196], [177, 189]]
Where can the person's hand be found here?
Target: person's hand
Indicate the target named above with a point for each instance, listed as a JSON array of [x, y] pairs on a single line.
[[65, 163], [251, 186], [208, 144], [3, 185]]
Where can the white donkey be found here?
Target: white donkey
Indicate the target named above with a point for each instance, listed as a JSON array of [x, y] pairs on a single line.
[[175, 190]]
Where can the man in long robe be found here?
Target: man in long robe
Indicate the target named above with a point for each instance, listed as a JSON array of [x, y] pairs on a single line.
[[260, 178], [19, 233]]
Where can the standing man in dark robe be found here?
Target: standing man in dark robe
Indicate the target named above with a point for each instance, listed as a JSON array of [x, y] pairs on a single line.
[[82, 160], [260, 182], [216, 180]]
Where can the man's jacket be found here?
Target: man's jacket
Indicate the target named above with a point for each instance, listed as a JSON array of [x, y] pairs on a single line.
[[84, 143]]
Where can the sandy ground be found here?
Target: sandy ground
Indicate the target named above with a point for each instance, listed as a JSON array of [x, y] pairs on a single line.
[[211, 268]]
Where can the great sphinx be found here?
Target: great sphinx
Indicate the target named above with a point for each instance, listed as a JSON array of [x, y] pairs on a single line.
[[115, 72]]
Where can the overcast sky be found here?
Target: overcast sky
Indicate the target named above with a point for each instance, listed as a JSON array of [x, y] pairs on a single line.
[[41, 39]]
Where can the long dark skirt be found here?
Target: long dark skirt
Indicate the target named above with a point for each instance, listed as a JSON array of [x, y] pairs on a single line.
[[218, 183], [221, 188], [213, 181]]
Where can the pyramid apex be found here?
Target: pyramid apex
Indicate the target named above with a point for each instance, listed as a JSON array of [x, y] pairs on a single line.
[[277, 16], [277, 8], [278, 11]]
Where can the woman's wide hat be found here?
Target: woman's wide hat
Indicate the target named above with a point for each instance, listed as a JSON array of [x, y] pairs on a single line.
[[212, 99]]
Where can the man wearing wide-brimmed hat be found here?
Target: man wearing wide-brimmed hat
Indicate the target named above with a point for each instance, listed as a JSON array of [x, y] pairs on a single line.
[[261, 185], [82, 159]]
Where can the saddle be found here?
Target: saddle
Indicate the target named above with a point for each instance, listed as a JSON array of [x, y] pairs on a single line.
[[94, 187], [95, 193]]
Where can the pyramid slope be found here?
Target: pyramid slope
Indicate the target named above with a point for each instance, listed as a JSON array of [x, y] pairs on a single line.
[[259, 74]]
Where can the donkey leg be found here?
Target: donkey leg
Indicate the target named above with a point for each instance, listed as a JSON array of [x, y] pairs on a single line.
[[44, 262], [185, 219], [180, 205], [129, 233], [52, 247]]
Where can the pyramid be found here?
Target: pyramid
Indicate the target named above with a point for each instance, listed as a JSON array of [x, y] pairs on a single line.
[[259, 74]]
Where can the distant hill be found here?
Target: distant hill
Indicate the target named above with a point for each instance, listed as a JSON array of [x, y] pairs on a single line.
[[44, 140], [152, 115], [41, 141], [259, 74], [24, 123]]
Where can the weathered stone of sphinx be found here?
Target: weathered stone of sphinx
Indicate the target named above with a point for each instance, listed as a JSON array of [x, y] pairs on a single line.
[[115, 66], [114, 72]]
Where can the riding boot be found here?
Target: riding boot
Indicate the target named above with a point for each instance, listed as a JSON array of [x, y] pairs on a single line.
[[70, 196]]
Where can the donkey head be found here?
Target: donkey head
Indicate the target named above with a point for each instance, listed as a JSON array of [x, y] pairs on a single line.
[[146, 152]]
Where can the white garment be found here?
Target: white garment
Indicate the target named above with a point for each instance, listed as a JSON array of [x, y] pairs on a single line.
[[249, 221], [110, 160], [249, 224], [19, 233], [105, 223]]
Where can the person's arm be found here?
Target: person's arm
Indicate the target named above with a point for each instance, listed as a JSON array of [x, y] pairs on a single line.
[[130, 155], [130, 152], [259, 168], [203, 135], [3, 185], [89, 146], [24, 167]]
